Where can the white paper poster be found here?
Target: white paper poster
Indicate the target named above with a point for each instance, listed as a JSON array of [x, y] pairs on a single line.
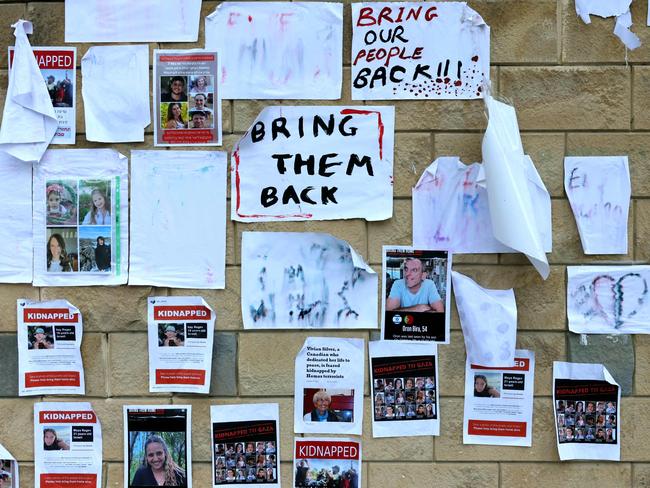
[[67, 445], [319, 163], [115, 89], [157, 445], [246, 444], [599, 190], [451, 209], [489, 322], [323, 458], [9, 476], [587, 401], [132, 21], [187, 98], [181, 334], [28, 122], [499, 403], [49, 348], [80, 204], [404, 381], [415, 294], [416, 50], [608, 299], [58, 68], [329, 383], [17, 255], [179, 196], [278, 50], [304, 280], [611, 8]]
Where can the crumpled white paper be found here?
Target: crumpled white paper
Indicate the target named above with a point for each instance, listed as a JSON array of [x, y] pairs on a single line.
[[115, 89], [28, 122], [489, 322], [611, 8]]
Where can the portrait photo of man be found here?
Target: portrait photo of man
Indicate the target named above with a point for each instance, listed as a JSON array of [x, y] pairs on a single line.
[[414, 292]]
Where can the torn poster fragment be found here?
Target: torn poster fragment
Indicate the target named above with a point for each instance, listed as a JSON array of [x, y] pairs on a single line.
[[489, 322], [416, 50], [611, 8], [9, 473], [132, 21], [599, 191], [608, 299], [318, 163], [28, 122], [305, 280], [451, 209], [278, 50]]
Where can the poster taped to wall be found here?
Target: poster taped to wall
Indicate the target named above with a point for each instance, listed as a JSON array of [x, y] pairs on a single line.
[[67, 445], [49, 348], [129, 21], [80, 204], [157, 445], [611, 8], [319, 163], [608, 299], [586, 402], [58, 68], [246, 444], [599, 190], [8, 469], [327, 458], [415, 297], [499, 403], [174, 194], [278, 50], [329, 386], [181, 335], [404, 381], [187, 98], [415, 50], [305, 280]]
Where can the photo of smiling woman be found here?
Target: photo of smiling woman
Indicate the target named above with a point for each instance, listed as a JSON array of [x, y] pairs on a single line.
[[158, 467], [61, 250]]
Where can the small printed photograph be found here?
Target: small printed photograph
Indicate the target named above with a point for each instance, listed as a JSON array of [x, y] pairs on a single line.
[[173, 88], [201, 84], [171, 334], [174, 115], [318, 472], [95, 202], [56, 438], [7, 473], [155, 455], [200, 119], [61, 202], [328, 405], [487, 385], [95, 248], [59, 86], [61, 250], [40, 337]]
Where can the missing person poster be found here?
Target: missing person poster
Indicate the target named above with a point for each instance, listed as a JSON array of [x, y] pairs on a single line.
[[157, 445], [8, 469], [245, 444], [58, 67], [587, 400], [49, 348], [316, 461], [329, 385], [404, 381], [187, 98], [181, 334], [415, 295], [67, 446], [499, 403]]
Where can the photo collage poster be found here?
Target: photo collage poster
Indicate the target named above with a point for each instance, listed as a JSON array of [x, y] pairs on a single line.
[[245, 444]]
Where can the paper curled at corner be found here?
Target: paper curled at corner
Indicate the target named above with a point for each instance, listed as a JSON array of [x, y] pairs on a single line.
[[116, 112], [611, 8], [489, 322], [599, 191], [11, 467], [304, 280], [28, 121], [608, 299]]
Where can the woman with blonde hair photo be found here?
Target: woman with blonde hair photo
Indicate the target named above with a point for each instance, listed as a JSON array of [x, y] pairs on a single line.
[[100, 209], [158, 467]]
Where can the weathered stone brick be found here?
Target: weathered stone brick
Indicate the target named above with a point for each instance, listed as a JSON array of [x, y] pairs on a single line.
[[8, 303], [642, 366], [413, 153], [451, 475], [8, 366], [93, 353], [224, 365], [20, 412], [564, 474], [395, 231]]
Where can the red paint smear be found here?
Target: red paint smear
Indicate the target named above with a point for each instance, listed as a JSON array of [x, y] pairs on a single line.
[[458, 83], [250, 18], [231, 18], [380, 124], [475, 59]]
